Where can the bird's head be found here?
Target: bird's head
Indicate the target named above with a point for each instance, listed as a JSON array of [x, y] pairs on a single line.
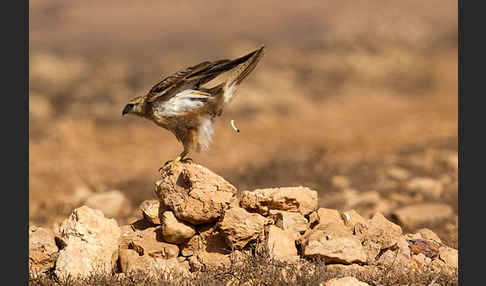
[[135, 106]]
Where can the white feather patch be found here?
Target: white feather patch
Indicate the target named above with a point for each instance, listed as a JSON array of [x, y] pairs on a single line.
[[183, 102], [205, 131]]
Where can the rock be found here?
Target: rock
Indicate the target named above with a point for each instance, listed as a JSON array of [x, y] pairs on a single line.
[[428, 234], [381, 234], [449, 256], [91, 244], [422, 214], [293, 199], [368, 203], [334, 242], [147, 239], [341, 249], [325, 216], [194, 193], [174, 230], [427, 186], [351, 218], [294, 222], [340, 182], [345, 281], [398, 173], [79, 196], [152, 211], [209, 249], [240, 227], [112, 203], [281, 244], [131, 263], [43, 250]]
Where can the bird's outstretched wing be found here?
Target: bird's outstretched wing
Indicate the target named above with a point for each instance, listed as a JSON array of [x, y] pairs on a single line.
[[194, 76]]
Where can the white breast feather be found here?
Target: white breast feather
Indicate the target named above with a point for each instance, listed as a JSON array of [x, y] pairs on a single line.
[[206, 131]]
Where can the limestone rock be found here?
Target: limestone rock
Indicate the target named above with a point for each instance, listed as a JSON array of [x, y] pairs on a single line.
[[351, 218], [294, 199], [334, 242], [152, 211], [427, 186], [174, 230], [324, 216], [240, 227], [113, 203], [131, 262], [341, 249], [43, 250], [422, 214], [340, 182], [91, 244], [449, 256], [291, 221], [147, 239], [194, 193], [345, 281], [281, 244], [381, 234], [208, 248]]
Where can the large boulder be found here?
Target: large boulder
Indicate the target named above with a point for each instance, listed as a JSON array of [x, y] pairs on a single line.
[[194, 193], [90, 244], [293, 199], [239, 227], [43, 250]]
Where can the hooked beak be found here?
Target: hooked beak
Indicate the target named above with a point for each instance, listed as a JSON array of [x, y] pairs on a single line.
[[127, 109]]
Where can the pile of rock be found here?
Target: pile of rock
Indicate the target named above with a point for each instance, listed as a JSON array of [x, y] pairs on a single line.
[[201, 222]]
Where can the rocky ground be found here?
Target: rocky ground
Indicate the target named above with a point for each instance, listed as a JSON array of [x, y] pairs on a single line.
[[201, 229], [354, 100]]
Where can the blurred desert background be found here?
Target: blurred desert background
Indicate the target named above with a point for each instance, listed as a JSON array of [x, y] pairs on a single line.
[[355, 99]]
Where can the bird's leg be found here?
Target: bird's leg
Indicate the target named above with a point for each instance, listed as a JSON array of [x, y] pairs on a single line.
[[181, 158]]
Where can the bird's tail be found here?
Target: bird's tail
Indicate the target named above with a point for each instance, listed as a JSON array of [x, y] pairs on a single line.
[[246, 65]]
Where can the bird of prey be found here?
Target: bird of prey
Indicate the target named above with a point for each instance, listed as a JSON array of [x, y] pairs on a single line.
[[180, 103]]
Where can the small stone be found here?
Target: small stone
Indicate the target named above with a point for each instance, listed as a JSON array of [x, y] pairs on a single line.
[[427, 186], [281, 244], [422, 214], [345, 281], [239, 227], [151, 211], [449, 256], [146, 239], [293, 199], [291, 221], [209, 250], [113, 204], [426, 233], [340, 182], [398, 173], [174, 230], [340, 249], [43, 250]]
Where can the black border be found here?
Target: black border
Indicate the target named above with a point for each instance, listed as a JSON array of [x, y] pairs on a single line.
[[15, 131]]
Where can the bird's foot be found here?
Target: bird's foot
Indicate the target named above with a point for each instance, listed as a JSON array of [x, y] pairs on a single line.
[[169, 164]]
